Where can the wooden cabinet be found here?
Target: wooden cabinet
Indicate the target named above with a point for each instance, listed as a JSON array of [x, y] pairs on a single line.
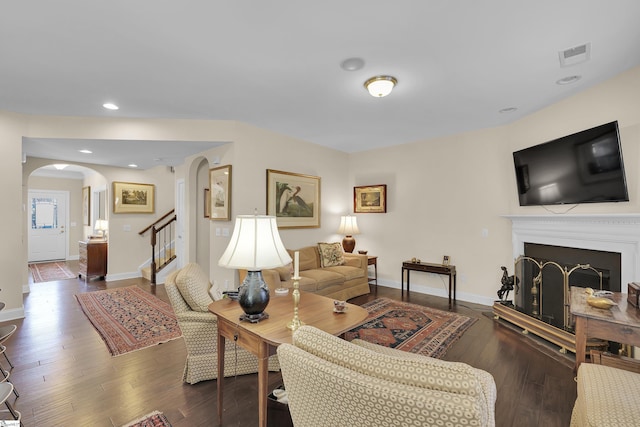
[[93, 259]]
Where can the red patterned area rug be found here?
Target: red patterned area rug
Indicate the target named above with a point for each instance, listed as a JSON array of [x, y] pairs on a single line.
[[50, 271], [154, 419], [410, 327], [129, 319]]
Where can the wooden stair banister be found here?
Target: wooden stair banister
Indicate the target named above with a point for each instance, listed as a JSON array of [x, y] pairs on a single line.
[[162, 229]]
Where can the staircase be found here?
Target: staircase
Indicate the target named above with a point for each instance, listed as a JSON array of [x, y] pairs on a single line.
[[162, 239]]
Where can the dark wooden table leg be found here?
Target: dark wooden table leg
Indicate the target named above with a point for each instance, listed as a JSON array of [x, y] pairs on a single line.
[[220, 380]]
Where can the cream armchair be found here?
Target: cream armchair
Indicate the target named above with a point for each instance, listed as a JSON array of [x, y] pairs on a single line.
[[189, 292], [332, 382]]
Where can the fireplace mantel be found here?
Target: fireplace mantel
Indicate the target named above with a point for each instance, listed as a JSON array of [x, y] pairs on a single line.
[[603, 232]]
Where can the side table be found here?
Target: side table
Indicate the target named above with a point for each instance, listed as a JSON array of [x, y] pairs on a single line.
[[373, 260], [447, 270]]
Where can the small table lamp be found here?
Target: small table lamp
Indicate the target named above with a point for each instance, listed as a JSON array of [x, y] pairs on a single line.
[[255, 245], [349, 227], [102, 225]]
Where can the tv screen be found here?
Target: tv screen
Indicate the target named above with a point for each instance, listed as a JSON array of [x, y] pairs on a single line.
[[585, 167]]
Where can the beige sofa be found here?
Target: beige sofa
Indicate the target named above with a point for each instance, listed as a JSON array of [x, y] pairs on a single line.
[[342, 282], [332, 382]]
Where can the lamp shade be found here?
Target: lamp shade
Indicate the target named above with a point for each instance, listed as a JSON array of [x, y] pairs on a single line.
[[102, 225], [255, 244], [348, 225]]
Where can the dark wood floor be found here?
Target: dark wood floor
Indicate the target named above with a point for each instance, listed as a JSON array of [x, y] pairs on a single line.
[[66, 377]]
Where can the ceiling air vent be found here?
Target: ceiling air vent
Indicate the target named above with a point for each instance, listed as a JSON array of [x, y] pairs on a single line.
[[575, 55]]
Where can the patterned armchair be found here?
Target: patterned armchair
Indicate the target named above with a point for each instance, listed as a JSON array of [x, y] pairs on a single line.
[[189, 292], [331, 382]]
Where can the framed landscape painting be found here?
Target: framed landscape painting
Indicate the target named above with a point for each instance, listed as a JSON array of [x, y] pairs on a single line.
[[220, 193], [370, 199], [294, 199], [129, 197]]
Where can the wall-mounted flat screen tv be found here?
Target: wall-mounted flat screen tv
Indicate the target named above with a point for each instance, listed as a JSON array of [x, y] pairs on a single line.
[[585, 167]]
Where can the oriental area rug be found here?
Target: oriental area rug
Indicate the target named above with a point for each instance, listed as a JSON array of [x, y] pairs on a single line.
[[410, 327], [129, 319], [50, 271], [154, 419]]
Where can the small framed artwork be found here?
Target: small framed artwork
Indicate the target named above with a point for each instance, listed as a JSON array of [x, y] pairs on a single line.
[[370, 199], [207, 203], [294, 199], [130, 197], [220, 193], [445, 260], [86, 206]]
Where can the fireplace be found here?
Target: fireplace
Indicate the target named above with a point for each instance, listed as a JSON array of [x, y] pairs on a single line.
[[617, 234], [548, 302]]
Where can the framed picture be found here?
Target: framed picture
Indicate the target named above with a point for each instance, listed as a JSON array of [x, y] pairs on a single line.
[[207, 203], [220, 193], [294, 199], [129, 197], [86, 206], [370, 199]]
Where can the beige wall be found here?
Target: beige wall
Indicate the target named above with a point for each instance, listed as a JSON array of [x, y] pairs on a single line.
[[445, 192], [446, 195]]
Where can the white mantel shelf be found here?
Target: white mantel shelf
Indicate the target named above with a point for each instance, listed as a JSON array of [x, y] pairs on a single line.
[[602, 232]]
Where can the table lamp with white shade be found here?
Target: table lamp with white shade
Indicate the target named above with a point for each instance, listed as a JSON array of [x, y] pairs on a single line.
[[348, 227], [255, 245], [102, 225]]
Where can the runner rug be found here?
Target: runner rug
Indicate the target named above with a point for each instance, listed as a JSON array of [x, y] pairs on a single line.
[[410, 327], [129, 319], [50, 271], [154, 419]]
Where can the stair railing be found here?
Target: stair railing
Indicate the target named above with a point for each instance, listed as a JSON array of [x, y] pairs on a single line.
[[162, 242]]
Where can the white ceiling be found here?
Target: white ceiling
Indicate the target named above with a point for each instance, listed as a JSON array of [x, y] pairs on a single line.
[[276, 64]]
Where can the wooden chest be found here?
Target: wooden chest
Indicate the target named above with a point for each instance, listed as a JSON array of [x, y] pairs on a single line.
[[632, 293]]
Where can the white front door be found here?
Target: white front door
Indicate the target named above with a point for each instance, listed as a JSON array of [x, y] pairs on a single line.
[[46, 224]]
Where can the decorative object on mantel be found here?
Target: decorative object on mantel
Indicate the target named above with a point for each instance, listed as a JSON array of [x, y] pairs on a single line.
[[446, 260], [370, 199], [348, 227], [416, 260], [255, 245]]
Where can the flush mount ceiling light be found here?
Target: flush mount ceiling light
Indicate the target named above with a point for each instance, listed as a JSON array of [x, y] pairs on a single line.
[[508, 110], [110, 106], [59, 166], [352, 64], [84, 151], [380, 86]]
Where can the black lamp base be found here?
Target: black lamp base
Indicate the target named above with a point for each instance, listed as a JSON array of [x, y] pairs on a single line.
[[254, 318], [253, 296]]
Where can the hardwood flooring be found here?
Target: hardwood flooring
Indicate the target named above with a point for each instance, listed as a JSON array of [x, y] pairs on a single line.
[[66, 376]]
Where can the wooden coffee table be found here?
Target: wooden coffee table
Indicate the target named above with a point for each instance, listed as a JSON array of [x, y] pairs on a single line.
[[262, 339]]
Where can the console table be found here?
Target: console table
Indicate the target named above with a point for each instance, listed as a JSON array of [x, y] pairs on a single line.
[[447, 270], [620, 323]]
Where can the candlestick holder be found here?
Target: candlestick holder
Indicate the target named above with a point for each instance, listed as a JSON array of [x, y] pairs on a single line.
[[295, 322]]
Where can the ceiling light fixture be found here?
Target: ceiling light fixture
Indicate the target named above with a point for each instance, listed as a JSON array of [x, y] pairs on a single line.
[[110, 106], [568, 80], [380, 86], [86, 151], [59, 166], [133, 165], [507, 110]]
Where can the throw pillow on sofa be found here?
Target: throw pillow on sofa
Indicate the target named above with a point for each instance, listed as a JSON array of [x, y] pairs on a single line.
[[331, 254]]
